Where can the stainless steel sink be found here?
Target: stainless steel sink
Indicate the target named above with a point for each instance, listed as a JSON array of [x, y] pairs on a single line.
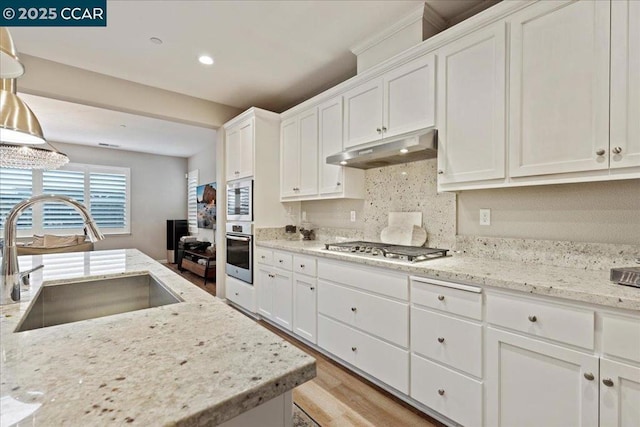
[[89, 299]]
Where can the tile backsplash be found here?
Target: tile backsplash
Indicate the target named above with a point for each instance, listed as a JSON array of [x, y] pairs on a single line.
[[409, 187]]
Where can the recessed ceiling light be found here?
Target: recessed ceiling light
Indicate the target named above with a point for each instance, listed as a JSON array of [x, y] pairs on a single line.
[[155, 40], [205, 59], [404, 151]]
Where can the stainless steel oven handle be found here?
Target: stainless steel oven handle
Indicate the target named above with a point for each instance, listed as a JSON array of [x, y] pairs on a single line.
[[242, 239]]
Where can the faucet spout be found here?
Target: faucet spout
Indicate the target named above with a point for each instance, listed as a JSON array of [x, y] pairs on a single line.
[[10, 276]]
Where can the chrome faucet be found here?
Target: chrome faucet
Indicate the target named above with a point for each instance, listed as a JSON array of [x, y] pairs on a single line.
[[10, 275]]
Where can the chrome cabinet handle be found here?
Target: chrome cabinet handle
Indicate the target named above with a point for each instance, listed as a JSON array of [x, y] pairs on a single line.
[[354, 309], [262, 256], [589, 376], [440, 172], [617, 150], [354, 348], [440, 297], [600, 152], [384, 129], [440, 340], [280, 261], [237, 294], [532, 319], [378, 130], [312, 288], [301, 265], [441, 392], [608, 382], [338, 184]]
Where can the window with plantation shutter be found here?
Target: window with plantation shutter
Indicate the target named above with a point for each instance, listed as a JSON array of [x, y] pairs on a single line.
[[192, 200], [104, 190], [69, 183], [15, 186], [109, 199]]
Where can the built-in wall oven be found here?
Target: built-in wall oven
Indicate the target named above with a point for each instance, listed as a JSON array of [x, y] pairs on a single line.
[[240, 200], [240, 251]]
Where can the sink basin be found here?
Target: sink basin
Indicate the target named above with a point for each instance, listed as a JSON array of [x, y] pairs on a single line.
[[89, 299]]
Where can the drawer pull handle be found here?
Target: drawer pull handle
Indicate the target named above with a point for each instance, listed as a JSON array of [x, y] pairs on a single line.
[[354, 348], [280, 261], [533, 319], [312, 288], [237, 294], [354, 309], [262, 256], [608, 382], [441, 392], [589, 376], [440, 340], [441, 297], [301, 265]]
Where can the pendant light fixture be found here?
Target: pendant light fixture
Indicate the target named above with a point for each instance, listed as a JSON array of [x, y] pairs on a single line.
[[10, 65], [19, 127]]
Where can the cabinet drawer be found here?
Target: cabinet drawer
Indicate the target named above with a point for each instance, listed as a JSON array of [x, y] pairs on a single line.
[[241, 293], [366, 278], [376, 315], [456, 342], [443, 390], [568, 325], [451, 298], [264, 256], [282, 260], [383, 361], [304, 265], [621, 336]]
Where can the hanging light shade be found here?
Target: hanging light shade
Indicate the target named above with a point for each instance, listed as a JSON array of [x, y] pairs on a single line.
[[10, 65], [27, 157], [18, 124]]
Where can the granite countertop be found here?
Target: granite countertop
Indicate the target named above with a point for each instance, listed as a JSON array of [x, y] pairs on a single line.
[[590, 286], [198, 362]]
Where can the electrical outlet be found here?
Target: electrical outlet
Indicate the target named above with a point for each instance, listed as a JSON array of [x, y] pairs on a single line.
[[485, 216], [304, 215], [353, 216]]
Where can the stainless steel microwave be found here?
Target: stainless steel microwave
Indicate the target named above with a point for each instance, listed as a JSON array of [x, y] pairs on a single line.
[[240, 200]]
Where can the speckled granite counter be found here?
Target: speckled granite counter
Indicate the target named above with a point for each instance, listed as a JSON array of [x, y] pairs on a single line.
[[590, 286], [198, 362]]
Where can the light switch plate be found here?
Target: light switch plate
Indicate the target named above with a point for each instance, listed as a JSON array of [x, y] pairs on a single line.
[[485, 216], [304, 215], [353, 216]]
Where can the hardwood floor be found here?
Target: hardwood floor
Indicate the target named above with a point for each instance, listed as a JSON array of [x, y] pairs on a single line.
[[195, 279], [338, 397]]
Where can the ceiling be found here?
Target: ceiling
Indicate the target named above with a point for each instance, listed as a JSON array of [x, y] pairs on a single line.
[[269, 54]]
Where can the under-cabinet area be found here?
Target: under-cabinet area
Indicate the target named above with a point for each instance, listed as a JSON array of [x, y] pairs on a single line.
[[463, 353]]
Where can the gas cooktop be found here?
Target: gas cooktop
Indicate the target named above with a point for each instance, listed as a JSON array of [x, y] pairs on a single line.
[[386, 250]]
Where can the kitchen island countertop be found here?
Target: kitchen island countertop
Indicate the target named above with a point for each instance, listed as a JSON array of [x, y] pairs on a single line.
[[197, 362], [589, 286]]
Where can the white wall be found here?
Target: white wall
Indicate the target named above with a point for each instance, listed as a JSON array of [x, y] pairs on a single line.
[[158, 193], [205, 162]]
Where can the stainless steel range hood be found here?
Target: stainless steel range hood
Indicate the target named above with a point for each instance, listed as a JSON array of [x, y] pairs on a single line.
[[404, 148]]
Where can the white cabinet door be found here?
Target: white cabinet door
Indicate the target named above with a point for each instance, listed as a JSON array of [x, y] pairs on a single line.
[[619, 394], [232, 153], [308, 157], [282, 294], [559, 88], [245, 165], [471, 107], [264, 285], [625, 84], [330, 142], [409, 97], [304, 307], [531, 383], [363, 113], [289, 157]]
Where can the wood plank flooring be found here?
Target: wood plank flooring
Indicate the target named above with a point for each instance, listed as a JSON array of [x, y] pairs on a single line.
[[337, 397]]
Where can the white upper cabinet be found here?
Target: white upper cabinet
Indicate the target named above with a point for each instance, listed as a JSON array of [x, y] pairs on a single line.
[[400, 101], [471, 108], [363, 113], [625, 84], [409, 100], [239, 150], [299, 155], [559, 88], [330, 137]]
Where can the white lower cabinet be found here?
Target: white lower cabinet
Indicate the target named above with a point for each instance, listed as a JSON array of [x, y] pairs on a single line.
[[384, 361], [241, 294], [619, 394], [452, 394], [305, 307], [534, 383], [275, 295]]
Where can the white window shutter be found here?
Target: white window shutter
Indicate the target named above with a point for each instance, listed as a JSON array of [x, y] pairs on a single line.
[[192, 200]]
